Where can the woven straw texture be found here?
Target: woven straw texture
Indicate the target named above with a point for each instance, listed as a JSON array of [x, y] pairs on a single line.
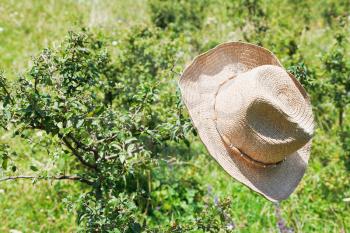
[[254, 118]]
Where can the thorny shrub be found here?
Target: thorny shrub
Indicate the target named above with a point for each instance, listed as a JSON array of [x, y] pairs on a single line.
[[122, 121]]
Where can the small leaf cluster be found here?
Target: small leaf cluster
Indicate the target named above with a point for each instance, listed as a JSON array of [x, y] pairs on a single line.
[[214, 217]]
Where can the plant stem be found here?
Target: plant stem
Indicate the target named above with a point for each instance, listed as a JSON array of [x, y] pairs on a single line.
[[78, 155], [341, 117], [61, 177], [281, 224]]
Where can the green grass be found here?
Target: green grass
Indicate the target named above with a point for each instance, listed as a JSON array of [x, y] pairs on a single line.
[[30, 26], [320, 203], [317, 205], [37, 207]]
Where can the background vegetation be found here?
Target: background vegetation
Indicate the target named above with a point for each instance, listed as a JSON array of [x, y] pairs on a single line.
[[91, 114]]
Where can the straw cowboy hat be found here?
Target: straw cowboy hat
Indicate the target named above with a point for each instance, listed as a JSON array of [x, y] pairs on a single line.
[[252, 115]]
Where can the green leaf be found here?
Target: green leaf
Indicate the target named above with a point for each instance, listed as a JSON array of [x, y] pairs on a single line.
[[33, 168], [59, 125], [122, 158], [4, 162], [80, 123], [131, 149], [129, 140]]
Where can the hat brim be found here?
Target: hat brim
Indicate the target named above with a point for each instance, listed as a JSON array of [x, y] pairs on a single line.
[[198, 85]]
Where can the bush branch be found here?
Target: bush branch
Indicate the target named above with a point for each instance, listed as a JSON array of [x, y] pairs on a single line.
[[61, 177], [66, 142], [3, 86], [78, 155], [84, 147]]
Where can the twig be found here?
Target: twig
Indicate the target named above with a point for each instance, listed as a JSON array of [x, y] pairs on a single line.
[[61, 177], [109, 139], [173, 66], [112, 157], [78, 155], [4, 127], [3, 85], [83, 146], [136, 150], [281, 224]]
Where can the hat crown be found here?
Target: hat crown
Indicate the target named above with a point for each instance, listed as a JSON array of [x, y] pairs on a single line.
[[263, 113]]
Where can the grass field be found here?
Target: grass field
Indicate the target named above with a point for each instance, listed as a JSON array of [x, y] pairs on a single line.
[[321, 202]]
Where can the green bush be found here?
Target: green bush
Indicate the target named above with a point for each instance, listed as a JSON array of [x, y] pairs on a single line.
[[119, 119], [110, 115], [338, 68], [178, 16]]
